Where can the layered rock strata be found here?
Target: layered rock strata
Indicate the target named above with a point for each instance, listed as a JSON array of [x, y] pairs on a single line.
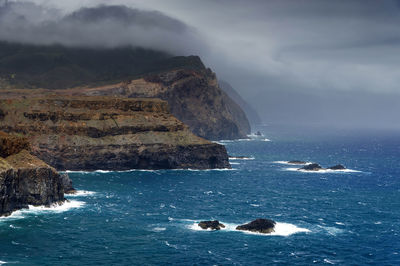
[[24, 179], [108, 133], [195, 98]]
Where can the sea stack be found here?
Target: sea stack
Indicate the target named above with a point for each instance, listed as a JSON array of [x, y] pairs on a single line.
[[25, 179]]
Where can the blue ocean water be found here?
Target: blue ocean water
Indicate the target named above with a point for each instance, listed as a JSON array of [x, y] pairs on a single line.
[[149, 217]]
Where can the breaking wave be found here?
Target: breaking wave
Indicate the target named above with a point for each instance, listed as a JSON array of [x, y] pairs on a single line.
[[281, 229], [34, 210]]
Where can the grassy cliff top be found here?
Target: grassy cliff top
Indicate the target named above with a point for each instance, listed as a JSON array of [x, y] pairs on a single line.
[[58, 67]]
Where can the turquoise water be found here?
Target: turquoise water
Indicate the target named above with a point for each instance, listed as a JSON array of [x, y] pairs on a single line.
[[149, 217]]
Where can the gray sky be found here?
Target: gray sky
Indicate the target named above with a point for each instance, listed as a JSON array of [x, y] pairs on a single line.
[[336, 62]]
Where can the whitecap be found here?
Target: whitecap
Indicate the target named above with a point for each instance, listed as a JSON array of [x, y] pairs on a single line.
[[208, 192], [171, 245], [328, 261], [241, 158], [172, 206], [288, 163], [158, 229], [339, 223], [331, 230], [232, 163], [255, 205], [81, 193], [324, 171]]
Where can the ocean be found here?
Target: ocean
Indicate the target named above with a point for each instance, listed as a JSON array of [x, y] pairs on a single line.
[[150, 217]]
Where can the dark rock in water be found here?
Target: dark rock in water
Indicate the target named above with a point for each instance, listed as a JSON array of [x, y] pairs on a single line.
[[264, 226], [213, 225], [312, 167], [337, 167], [258, 133], [297, 162], [67, 183]]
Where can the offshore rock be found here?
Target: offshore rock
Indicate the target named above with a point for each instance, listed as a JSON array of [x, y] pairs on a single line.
[[26, 180], [312, 167], [108, 133], [264, 226], [337, 167], [213, 225]]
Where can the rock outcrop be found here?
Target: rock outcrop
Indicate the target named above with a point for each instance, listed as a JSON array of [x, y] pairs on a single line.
[[195, 98], [108, 133], [67, 184], [24, 179], [264, 226], [213, 225], [317, 167], [312, 167], [251, 113], [337, 167]]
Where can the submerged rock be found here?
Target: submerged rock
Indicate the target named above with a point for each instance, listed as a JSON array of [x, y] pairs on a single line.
[[213, 225], [337, 167], [264, 226], [297, 162], [312, 167]]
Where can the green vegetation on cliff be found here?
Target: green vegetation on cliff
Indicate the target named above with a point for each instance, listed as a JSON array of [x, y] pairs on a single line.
[[58, 67]]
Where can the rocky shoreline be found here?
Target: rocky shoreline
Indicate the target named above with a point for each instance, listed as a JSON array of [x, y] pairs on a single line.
[[26, 180]]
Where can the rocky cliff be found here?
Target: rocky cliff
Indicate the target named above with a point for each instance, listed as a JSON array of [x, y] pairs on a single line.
[[191, 90], [194, 97], [24, 179], [251, 113], [109, 133]]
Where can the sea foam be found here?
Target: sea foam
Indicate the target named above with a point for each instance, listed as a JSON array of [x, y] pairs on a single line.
[[324, 171], [281, 229], [81, 193], [34, 210]]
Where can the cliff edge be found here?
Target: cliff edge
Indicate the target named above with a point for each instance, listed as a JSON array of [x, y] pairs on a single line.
[[108, 133], [195, 98], [24, 179]]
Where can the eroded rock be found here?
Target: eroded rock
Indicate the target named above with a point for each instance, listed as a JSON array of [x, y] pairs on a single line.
[[264, 226], [213, 225]]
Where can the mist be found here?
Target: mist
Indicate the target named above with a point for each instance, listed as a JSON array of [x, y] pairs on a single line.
[[315, 62], [98, 27]]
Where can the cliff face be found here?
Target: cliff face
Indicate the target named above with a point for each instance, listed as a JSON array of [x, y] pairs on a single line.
[[194, 97], [24, 179], [109, 133], [191, 90], [251, 113]]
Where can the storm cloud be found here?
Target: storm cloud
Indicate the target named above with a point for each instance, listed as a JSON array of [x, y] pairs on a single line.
[[100, 26], [296, 61]]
